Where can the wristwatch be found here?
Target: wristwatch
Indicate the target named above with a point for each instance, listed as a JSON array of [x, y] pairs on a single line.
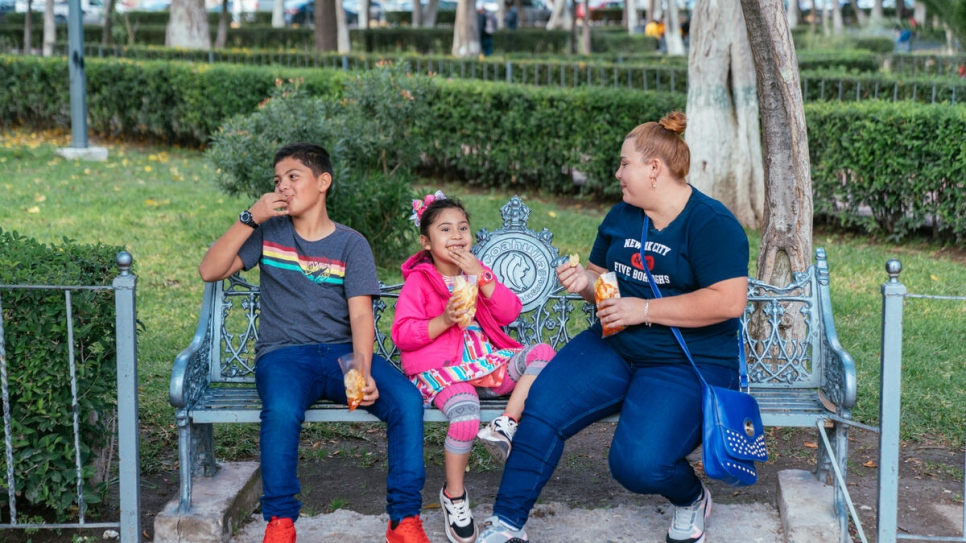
[[486, 278], [246, 218]]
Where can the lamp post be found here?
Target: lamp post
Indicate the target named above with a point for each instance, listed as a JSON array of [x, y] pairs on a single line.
[[79, 148]]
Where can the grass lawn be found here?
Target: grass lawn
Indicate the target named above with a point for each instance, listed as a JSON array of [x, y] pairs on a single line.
[[162, 204]]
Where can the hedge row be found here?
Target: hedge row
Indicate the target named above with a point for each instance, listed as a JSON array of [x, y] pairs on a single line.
[[493, 134], [390, 39], [42, 429]]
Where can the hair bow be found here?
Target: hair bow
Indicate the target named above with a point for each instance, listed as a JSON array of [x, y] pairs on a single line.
[[419, 206]]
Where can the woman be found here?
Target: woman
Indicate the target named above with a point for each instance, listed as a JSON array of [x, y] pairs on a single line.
[[698, 255]]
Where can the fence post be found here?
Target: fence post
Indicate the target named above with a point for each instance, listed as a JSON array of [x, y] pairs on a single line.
[[127, 399], [893, 297]]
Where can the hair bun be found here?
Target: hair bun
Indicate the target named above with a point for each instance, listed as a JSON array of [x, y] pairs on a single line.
[[674, 121]]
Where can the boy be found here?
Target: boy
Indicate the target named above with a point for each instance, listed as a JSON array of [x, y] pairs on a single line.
[[317, 279]]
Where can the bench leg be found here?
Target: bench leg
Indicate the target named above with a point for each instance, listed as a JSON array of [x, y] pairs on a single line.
[[838, 435], [196, 455]]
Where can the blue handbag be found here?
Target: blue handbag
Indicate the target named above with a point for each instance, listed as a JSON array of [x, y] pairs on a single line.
[[733, 437]]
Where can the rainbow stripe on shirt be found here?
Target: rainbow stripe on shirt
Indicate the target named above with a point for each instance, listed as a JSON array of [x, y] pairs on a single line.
[[316, 269]]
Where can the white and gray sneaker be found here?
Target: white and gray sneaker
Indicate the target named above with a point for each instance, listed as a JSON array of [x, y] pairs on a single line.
[[497, 437], [457, 517], [687, 526], [497, 531]]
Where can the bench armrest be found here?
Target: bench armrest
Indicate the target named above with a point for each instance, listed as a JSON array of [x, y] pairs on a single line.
[[840, 379], [190, 375]]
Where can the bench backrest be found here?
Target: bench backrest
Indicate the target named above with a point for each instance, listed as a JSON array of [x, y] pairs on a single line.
[[782, 325]]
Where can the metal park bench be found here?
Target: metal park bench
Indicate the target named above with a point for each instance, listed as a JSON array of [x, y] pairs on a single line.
[[799, 373]]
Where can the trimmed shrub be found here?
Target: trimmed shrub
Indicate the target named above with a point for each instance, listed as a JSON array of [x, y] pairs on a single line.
[[35, 337]]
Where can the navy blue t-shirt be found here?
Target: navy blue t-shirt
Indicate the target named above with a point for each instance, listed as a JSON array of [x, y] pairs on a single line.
[[702, 246]]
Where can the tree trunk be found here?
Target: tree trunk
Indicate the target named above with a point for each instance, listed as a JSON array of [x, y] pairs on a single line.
[[500, 14], [723, 133], [794, 13], [826, 17], [107, 36], [342, 31], [188, 25], [672, 31], [417, 20], [561, 16], [50, 29], [901, 11], [326, 28], [786, 240], [630, 15], [877, 15], [860, 17], [838, 27], [278, 14], [919, 13], [363, 16], [221, 38], [466, 36], [28, 25], [585, 29]]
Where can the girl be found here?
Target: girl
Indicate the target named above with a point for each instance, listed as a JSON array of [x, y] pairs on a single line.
[[454, 366]]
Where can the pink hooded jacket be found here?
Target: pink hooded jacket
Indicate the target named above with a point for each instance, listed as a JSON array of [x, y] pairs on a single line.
[[423, 298]]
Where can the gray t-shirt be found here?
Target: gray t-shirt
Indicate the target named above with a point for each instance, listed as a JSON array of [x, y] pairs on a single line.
[[305, 285]]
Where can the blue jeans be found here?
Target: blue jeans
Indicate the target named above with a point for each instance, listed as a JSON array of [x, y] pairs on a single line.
[[660, 423], [291, 379]]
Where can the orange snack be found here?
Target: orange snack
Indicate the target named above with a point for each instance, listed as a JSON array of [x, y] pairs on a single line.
[[605, 288], [465, 293], [353, 388]]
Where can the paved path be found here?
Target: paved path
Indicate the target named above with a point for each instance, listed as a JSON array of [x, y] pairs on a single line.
[[744, 523]]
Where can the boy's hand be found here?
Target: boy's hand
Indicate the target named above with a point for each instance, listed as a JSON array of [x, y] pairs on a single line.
[[466, 260], [272, 204], [369, 392]]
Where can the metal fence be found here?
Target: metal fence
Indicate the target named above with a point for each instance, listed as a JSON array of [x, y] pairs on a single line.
[[894, 296], [124, 287]]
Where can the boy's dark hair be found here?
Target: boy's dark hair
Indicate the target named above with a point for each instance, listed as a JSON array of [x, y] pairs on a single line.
[[315, 157], [433, 210]]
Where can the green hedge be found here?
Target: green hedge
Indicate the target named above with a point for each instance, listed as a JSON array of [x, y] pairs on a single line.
[[904, 162], [494, 134], [35, 339]]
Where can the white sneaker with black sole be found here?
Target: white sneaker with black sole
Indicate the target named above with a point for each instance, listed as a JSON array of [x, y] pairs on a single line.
[[687, 524], [497, 437], [457, 517]]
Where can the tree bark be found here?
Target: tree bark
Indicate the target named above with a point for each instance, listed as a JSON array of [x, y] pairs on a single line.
[[50, 29], [188, 25], [630, 15], [838, 27], [417, 20], [672, 31], [326, 27], [561, 17], [363, 17], [107, 36], [794, 13], [342, 31], [221, 38], [466, 35], [877, 15], [723, 133], [860, 17], [786, 241], [585, 29], [278, 14], [28, 25]]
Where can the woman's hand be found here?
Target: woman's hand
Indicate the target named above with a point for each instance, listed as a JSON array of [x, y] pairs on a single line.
[[573, 278], [466, 260], [620, 312]]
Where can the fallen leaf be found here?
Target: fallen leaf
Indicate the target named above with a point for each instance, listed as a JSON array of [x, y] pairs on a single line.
[[34, 209], [871, 464], [811, 444]]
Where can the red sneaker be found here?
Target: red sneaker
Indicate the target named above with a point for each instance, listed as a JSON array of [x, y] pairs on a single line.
[[409, 530], [280, 530]]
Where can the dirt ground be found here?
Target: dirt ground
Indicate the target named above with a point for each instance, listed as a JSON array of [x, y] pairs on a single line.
[[349, 472]]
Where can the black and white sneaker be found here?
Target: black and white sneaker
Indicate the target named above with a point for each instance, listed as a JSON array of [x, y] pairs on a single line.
[[497, 437], [457, 517]]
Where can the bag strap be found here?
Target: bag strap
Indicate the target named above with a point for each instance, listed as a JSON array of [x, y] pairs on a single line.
[[742, 363]]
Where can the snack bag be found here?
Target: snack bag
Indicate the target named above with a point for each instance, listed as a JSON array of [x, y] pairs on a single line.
[[354, 382], [605, 288], [465, 292]]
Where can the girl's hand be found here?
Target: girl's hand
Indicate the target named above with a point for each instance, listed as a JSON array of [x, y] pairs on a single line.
[[573, 278], [466, 260], [453, 312], [620, 312]]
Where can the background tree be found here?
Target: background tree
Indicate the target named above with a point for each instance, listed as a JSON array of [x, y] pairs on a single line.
[[28, 26], [326, 27], [722, 109], [877, 15], [278, 13], [50, 29], [794, 13], [107, 37], [953, 15], [342, 31], [672, 30], [786, 229], [221, 38], [417, 20], [466, 36], [188, 25], [631, 17]]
